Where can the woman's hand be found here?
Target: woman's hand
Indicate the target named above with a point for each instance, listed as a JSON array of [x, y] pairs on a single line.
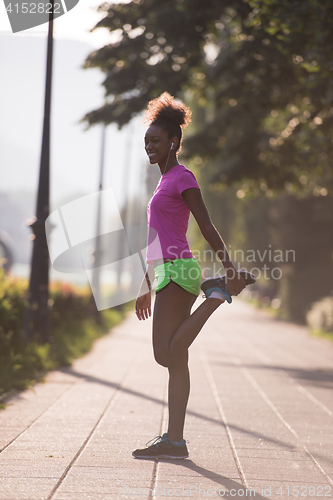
[[235, 282], [143, 306]]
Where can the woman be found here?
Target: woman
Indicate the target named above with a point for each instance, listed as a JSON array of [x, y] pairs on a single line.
[[177, 271]]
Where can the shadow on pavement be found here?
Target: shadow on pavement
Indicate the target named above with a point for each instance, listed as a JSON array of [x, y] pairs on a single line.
[[229, 484], [97, 380], [319, 377]]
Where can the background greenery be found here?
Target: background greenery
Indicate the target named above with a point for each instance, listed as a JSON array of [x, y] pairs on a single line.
[[258, 77], [72, 332]]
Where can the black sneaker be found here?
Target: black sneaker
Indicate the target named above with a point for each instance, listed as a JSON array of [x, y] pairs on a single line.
[[218, 284], [162, 447]]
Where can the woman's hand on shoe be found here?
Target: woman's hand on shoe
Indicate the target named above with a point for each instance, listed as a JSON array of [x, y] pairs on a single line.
[[235, 282], [143, 306]]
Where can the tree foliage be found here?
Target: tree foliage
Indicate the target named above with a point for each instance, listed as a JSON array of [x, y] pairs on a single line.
[[258, 74]]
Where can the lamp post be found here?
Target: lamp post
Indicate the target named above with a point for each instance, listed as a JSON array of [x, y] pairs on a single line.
[[125, 191], [96, 285], [36, 313]]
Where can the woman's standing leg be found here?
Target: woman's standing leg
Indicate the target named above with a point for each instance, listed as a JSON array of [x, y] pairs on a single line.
[[172, 308], [178, 393]]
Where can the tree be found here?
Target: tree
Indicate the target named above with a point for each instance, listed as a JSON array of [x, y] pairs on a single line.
[[259, 73], [258, 76]]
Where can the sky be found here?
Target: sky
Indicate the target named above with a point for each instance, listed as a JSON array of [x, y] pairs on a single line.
[[75, 153]]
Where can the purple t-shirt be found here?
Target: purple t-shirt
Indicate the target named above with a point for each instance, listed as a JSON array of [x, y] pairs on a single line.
[[168, 216]]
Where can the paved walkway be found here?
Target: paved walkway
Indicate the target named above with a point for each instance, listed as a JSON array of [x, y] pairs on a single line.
[[260, 416]]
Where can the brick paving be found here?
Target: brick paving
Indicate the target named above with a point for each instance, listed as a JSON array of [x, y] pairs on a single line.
[[259, 418]]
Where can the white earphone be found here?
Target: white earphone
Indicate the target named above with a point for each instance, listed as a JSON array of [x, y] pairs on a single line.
[[172, 145]]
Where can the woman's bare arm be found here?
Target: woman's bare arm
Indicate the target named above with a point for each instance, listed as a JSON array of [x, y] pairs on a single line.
[[196, 204], [143, 300]]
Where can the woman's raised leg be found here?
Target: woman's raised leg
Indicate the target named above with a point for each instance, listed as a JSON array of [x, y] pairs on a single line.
[[174, 327]]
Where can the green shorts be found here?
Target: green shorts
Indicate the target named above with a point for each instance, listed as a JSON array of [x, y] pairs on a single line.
[[185, 272]]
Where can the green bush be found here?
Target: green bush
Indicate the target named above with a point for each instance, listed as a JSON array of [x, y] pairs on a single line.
[[320, 317], [68, 302], [19, 369], [12, 302], [76, 337], [74, 325]]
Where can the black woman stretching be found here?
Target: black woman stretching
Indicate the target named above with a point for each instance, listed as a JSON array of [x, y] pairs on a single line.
[[177, 272]]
